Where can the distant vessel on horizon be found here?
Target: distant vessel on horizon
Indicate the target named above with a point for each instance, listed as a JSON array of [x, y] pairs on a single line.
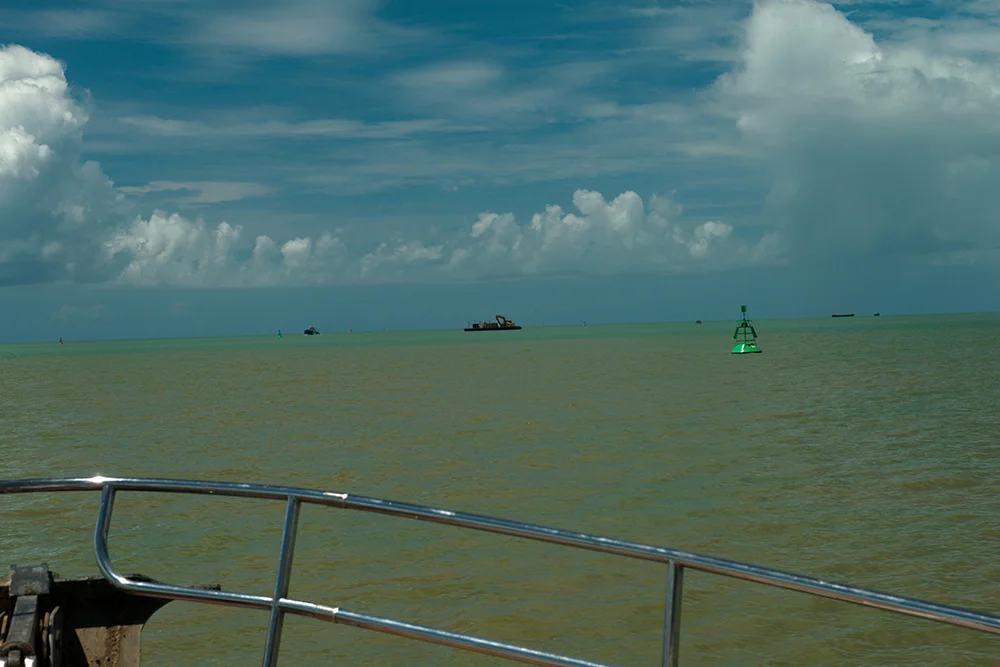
[[311, 331], [843, 315], [501, 324]]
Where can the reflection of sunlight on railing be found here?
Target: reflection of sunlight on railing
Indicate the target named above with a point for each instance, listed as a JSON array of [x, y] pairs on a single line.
[[279, 603]]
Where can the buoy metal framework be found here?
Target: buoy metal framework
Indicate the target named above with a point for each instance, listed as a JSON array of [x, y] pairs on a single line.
[[745, 335]]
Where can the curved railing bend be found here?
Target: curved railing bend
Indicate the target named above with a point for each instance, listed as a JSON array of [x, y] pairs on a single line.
[[279, 604]]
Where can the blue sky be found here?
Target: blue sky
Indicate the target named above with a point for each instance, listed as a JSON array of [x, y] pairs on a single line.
[[198, 167]]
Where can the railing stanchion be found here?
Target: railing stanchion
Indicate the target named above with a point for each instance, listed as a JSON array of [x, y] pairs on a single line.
[[672, 614], [281, 582]]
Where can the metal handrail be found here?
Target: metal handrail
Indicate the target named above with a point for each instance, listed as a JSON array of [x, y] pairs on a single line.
[[279, 604]]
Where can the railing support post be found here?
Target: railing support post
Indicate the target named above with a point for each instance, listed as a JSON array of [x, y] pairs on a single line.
[[282, 581], [672, 614]]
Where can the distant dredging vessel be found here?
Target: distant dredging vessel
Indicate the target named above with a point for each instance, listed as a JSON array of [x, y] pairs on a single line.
[[501, 324]]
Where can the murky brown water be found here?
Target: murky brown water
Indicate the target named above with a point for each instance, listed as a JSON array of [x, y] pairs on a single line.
[[862, 450]]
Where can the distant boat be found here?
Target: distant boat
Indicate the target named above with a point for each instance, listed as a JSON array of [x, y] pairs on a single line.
[[501, 324], [697, 321], [311, 331], [875, 315], [843, 315]]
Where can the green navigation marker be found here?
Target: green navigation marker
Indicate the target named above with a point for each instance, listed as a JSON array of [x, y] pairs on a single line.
[[745, 335]]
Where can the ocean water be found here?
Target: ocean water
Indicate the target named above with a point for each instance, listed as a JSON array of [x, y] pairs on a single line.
[[862, 450]]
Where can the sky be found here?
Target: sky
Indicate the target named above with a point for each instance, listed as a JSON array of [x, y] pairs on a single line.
[[211, 167]]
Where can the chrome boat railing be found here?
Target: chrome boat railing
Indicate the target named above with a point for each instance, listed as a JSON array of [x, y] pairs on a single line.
[[279, 604]]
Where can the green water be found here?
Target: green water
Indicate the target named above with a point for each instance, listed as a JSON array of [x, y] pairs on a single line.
[[863, 450]]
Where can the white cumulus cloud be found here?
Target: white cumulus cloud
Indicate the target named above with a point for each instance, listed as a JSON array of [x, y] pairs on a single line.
[[63, 219], [601, 237], [874, 149], [169, 249], [874, 145], [52, 205]]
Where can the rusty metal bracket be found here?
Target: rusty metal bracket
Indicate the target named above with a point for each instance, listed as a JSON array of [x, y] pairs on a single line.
[[27, 585], [76, 622]]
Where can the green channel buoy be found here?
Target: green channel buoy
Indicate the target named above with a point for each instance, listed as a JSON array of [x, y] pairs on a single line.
[[746, 332]]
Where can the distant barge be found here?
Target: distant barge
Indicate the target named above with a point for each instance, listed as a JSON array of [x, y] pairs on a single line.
[[843, 315], [501, 324]]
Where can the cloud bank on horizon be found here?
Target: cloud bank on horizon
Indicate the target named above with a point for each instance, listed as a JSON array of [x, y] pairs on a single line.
[[871, 149], [65, 221]]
